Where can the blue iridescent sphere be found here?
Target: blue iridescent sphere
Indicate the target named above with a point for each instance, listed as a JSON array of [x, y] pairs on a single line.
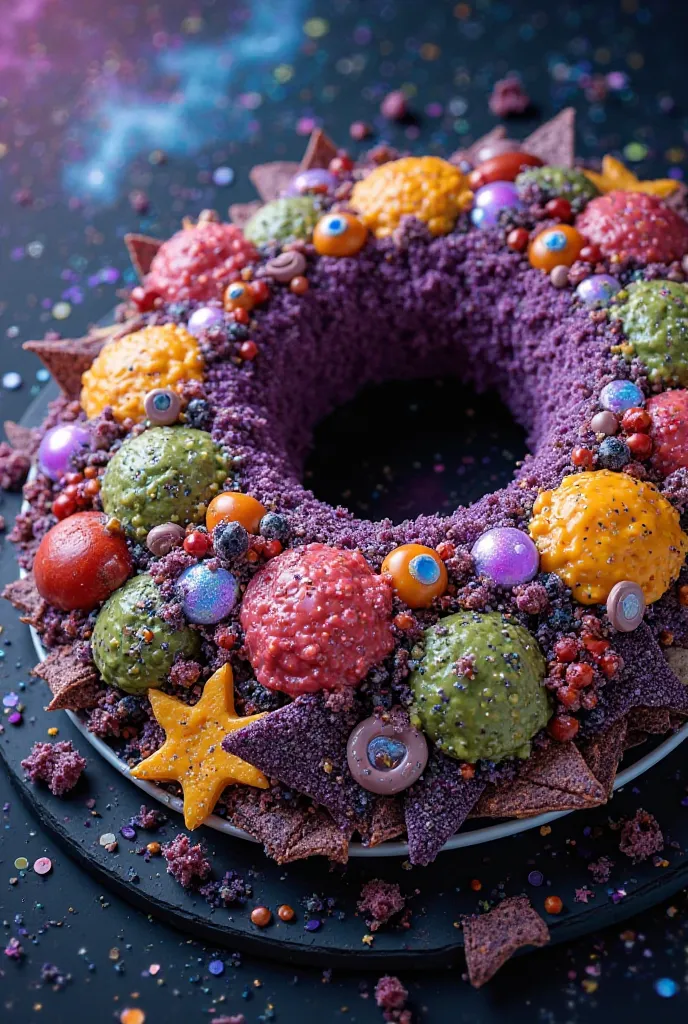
[[207, 596], [598, 290], [424, 569], [620, 395], [385, 752]]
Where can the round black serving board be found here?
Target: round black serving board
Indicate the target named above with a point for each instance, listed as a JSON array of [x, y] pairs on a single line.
[[439, 894]]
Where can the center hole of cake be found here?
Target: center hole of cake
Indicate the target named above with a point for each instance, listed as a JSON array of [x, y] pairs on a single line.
[[408, 448]]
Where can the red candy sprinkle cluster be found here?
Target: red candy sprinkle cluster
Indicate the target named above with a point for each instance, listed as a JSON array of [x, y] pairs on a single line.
[[634, 225], [316, 618], [199, 262]]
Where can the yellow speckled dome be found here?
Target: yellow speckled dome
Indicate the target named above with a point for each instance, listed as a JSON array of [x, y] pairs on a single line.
[[599, 528], [426, 187], [126, 370]]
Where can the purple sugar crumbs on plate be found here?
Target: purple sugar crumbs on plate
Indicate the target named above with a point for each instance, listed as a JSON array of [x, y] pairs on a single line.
[[641, 836], [380, 901], [57, 764], [186, 863]]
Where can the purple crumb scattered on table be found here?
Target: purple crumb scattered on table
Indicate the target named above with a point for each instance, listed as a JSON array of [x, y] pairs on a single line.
[[57, 764]]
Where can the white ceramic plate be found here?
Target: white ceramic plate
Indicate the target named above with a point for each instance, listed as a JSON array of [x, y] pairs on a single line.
[[471, 837]]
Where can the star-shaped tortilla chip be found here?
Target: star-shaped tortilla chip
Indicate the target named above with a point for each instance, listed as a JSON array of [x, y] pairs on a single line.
[[319, 151], [192, 753], [141, 249], [616, 177], [555, 140]]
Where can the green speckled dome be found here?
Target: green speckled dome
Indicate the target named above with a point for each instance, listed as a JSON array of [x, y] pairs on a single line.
[[479, 687], [134, 648], [164, 475], [655, 322], [556, 183], [283, 220]]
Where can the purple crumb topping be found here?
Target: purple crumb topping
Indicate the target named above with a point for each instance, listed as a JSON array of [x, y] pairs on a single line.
[[601, 869], [641, 836], [380, 901], [57, 764], [186, 863], [390, 997]]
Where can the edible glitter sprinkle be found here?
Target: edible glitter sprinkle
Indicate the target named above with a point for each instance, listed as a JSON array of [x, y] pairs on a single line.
[[43, 866], [223, 176], [10, 700], [21, 863], [666, 987], [107, 838], [216, 967], [61, 310], [536, 878], [12, 381]]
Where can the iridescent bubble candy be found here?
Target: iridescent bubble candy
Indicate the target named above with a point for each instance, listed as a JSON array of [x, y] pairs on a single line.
[[598, 289], [207, 595], [506, 555], [59, 446], [491, 199], [620, 395], [203, 318]]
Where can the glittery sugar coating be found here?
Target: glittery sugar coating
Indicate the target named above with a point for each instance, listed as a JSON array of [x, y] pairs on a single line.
[[127, 369], [199, 262], [316, 618], [597, 529], [425, 187]]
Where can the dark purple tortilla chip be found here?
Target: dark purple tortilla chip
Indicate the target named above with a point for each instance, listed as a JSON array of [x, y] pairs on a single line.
[[23, 596], [386, 821], [288, 833], [69, 358], [651, 720], [304, 746], [241, 213], [635, 738], [437, 806], [525, 799], [645, 681], [603, 753], [271, 180], [562, 766], [141, 249], [468, 154], [73, 683], [555, 140], [491, 939], [677, 659], [22, 439], [319, 151]]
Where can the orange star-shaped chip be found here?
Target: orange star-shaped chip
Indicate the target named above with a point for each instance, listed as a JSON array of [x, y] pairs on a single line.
[[615, 177], [192, 753]]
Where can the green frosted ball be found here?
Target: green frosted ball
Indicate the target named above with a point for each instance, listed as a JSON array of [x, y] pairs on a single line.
[[164, 475], [133, 648], [478, 690], [654, 315], [540, 184], [283, 220]]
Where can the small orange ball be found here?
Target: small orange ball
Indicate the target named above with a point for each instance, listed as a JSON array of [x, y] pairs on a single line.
[[261, 917], [299, 285], [238, 295], [554, 905], [339, 234], [235, 507], [555, 247], [285, 912], [418, 574]]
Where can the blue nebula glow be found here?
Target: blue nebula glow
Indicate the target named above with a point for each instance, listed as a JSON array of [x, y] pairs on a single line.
[[126, 122]]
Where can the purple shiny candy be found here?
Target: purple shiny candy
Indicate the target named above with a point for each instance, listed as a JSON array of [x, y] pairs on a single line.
[[598, 290], [315, 179], [620, 395], [59, 446], [506, 555], [207, 595], [384, 758], [491, 199], [203, 318]]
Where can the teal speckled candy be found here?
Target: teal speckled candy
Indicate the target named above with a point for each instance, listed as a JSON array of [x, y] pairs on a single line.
[[655, 322], [283, 220]]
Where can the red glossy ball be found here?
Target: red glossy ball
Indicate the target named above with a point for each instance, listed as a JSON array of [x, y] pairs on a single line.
[[518, 239], [590, 254], [566, 649], [636, 420], [563, 728], [197, 543], [579, 675], [559, 209], [63, 506], [79, 563], [505, 167], [640, 446], [582, 457]]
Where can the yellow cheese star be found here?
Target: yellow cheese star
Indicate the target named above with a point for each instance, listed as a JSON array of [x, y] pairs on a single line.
[[192, 753], [615, 177]]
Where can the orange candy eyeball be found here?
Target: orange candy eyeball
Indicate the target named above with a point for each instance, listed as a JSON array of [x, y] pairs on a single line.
[[238, 295], [418, 574], [339, 234], [235, 507], [555, 247]]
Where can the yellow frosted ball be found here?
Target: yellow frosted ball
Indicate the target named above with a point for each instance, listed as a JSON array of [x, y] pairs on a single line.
[[599, 528], [426, 187], [125, 370]]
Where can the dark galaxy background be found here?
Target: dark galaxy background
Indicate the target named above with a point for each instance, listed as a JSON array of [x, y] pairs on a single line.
[[127, 116]]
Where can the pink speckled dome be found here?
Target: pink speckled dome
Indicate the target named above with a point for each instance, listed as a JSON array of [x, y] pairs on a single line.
[[199, 262], [634, 225], [316, 619]]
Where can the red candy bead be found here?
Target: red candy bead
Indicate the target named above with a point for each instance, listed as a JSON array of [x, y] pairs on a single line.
[[518, 239], [610, 663], [260, 291], [242, 316], [79, 563], [563, 728], [63, 506], [582, 457], [143, 298], [569, 697], [566, 649], [559, 209], [248, 350], [634, 225], [640, 446], [669, 430], [505, 167], [636, 420], [197, 543], [340, 165], [299, 285], [590, 254], [554, 905], [579, 675], [316, 618]]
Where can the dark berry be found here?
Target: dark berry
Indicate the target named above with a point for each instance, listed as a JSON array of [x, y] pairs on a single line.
[[552, 585], [198, 414], [238, 331], [273, 526], [230, 539], [613, 453]]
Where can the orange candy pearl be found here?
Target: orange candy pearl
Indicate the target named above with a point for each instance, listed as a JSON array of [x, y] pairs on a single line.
[[235, 507], [555, 247], [238, 295], [339, 234], [414, 579]]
